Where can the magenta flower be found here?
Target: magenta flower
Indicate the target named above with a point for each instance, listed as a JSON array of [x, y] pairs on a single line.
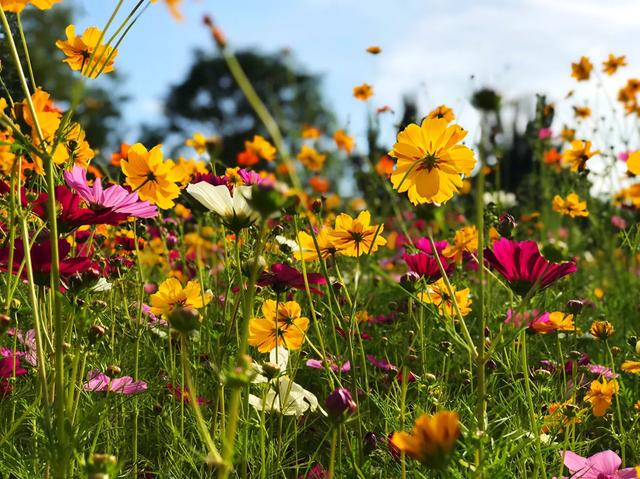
[[335, 367], [10, 365], [522, 265], [114, 198], [252, 178], [426, 265], [282, 277], [518, 319], [100, 382], [603, 465], [28, 340]]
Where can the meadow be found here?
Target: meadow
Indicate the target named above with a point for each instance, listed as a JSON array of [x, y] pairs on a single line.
[[455, 309]]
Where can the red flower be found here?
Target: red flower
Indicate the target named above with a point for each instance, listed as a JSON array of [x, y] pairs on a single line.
[[283, 277]]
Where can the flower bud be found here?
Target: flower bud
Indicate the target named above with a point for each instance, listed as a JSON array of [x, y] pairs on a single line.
[[506, 225], [602, 329], [370, 443], [185, 320], [340, 403], [575, 306], [96, 332]]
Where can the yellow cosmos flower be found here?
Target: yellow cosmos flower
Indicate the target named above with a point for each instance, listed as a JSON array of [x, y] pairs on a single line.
[[600, 395], [430, 161], [7, 158], [310, 132], [172, 296], [578, 155], [286, 328], [581, 112], [172, 5], [571, 206], [307, 248], [354, 237], [438, 295], [74, 149], [633, 163], [363, 92], [611, 65], [344, 141], [261, 148], [431, 439], [200, 143], [152, 178], [567, 134], [631, 367], [311, 158], [581, 71], [16, 6], [464, 241], [602, 329], [558, 321], [444, 112], [80, 49], [48, 116]]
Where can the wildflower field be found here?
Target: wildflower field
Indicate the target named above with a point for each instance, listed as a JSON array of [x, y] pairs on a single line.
[[295, 299]]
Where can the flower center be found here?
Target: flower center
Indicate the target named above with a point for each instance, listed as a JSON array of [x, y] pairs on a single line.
[[428, 162]]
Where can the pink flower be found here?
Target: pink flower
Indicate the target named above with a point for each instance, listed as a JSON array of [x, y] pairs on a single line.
[[100, 382], [10, 366], [114, 198], [545, 133], [618, 222], [517, 319], [623, 155], [522, 265], [317, 364], [603, 465], [426, 265], [28, 340], [282, 277]]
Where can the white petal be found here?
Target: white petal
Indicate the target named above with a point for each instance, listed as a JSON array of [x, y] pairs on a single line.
[[214, 198]]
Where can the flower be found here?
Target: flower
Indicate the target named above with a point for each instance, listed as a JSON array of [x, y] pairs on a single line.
[[602, 465], [442, 111], [551, 322], [114, 198], [234, 210], [100, 382], [48, 116], [340, 403], [310, 132], [430, 161], [438, 294], [581, 71], [286, 327], [426, 265], [152, 178], [600, 395], [86, 53], [171, 296], [578, 155], [631, 367], [523, 267], [581, 112], [121, 154], [464, 241], [172, 5], [431, 439], [601, 329], [374, 49], [282, 277], [285, 397], [16, 6], [311, 158], [363, 92], [611, 65], [255, 149], [307, 247], [571, 206], [10, 365], [343, 141], [633, 163], [354, 237]]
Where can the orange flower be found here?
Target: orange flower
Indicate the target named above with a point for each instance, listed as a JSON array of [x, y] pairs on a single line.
[[172, 5], [464, 241], [571, 206], [344, 141], [118, 156], [633, 163], [356, 236], [600, 395], [611, 65], [319, 184], [578, 155], [443, 111], [363, 92], [256, 149], [581, 71], [374, 50], [631, 367], [310, 132], [16, 6], [311, 158], [385, 166], [552, 157], [80, 50], [286, 327], [582, 112]]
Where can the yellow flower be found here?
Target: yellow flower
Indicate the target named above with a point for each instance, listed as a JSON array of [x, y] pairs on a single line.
[[559, 416], [152, 178], [567, 134], [172, 296], [571, 206], [431, 439], [602, 329], [354, 237], [80, 49], [308, 251], [558, 321], [582, 112], [374, 49], [631, 367], [438, 295], [600, 395], [633, 163], [48, 116], [444, 112], [74, 148], [16, 6], [430, 161], [7, 158], [578, 155], [581, 71], [185, 169], [261, 148], [343, 141], [611, 65], [465, 240], [286, 328], [311, 158], [310, 132], [363, 92], [172, 5], [199, 142]]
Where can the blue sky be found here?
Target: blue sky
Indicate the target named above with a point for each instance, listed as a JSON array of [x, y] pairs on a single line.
[[430, 48]]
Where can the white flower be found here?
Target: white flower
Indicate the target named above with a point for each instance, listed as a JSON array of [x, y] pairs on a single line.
[[101, 286], [234, 210], [287, 245], [278, 356], [502, 198]]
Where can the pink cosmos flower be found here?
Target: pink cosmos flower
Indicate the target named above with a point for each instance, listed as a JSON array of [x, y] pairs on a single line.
[[282, 277], [10, 365], [545, 133], [100, 382], [426, 265], [317, 364], [28, 340], [603, 465], [518, 319], [522, 265], [114, 198]]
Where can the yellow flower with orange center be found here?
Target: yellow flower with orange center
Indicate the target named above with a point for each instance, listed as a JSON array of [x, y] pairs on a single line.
[[356, 236], [82, 53], [578, 155], [171, 296], [286, 327], [570, 206], [431, 439], [581, 70], [464, 241], [431, 161], [150, 176], [311, 158], [600, 395], [438, 294]]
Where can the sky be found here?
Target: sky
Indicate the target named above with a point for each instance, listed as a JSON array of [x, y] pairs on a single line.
[[439, 51]]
